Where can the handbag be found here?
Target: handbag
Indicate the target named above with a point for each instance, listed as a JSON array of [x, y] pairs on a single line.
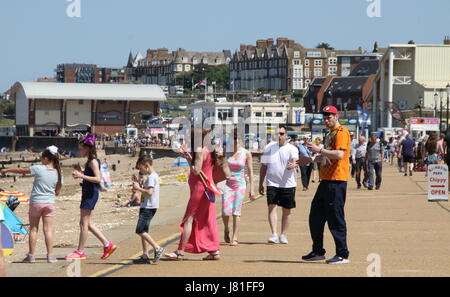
[[221, 171], [218, 174]]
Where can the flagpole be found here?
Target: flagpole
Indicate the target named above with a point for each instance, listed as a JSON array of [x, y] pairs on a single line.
[[206, 87], [233, 91]]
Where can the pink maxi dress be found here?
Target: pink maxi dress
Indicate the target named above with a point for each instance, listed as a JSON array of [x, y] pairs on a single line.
[[205, 235]]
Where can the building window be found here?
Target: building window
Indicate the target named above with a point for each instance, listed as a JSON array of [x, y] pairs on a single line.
[[296, 54], [224, 114], [313, 54], [307, 72], [258, 114], [318, 63], [332, 70], [187, 67], [268, 114], [306, 62], [81, 102], [296, 62], [317, 72], [279, 114], [332, 61]]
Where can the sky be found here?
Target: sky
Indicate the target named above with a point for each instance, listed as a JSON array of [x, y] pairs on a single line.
[[36, 35]]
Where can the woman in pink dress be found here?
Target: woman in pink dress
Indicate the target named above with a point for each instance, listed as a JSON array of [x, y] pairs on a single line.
[[199, 233]]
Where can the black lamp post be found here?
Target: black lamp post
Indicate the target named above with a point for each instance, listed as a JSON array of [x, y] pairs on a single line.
[[448, 99], [440, 113], [435, 103]]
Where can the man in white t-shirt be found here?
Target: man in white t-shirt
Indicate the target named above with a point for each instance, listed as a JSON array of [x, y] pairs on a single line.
[[278, 169]]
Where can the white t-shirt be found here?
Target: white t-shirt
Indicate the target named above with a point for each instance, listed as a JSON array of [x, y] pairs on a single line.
[[151, 202], [276, 159]]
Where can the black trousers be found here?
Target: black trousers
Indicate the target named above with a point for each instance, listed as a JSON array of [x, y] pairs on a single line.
[[377, 168], [328, 206], [306, 174], [361, 165]]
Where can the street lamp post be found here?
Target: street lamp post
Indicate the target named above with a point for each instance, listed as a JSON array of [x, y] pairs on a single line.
[[448, 99], [435, 104], [440, 113]]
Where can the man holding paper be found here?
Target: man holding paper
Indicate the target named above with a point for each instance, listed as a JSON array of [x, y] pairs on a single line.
[[329, 201]]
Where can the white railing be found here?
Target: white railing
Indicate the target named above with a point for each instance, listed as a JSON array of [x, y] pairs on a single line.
[[402, 80]]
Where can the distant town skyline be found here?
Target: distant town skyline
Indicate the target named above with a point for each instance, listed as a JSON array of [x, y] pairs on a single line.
[[38, 35]]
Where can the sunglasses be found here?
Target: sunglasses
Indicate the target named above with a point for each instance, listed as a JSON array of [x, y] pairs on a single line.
[[327, 115], [282, 134]]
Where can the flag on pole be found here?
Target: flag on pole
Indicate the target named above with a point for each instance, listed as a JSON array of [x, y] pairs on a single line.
[[200, 83]]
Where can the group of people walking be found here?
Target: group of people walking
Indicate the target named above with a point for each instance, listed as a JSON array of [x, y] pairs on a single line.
[[198, 228], [412, 155]]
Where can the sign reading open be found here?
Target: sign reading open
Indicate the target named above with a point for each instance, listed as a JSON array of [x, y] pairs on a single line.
[[437, 183]]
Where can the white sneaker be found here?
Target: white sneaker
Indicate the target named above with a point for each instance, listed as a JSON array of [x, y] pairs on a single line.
[[283, 239], [274, 239]]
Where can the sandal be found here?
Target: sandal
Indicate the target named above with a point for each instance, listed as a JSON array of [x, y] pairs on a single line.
[[227, 237], [177, 255], [212, 257]]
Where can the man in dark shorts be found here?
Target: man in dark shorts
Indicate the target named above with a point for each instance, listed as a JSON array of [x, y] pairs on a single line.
[[329, 202], [278, 169], [407, 153]]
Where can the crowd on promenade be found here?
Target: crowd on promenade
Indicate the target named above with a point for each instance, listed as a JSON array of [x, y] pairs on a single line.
[[330, 162]]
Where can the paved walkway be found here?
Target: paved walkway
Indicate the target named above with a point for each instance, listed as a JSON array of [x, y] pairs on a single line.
[[411, 236]]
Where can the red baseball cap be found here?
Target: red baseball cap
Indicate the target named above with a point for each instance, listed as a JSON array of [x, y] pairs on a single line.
[[330, 109]]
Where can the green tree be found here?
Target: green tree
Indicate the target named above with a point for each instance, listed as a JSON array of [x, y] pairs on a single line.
[[325, 45]]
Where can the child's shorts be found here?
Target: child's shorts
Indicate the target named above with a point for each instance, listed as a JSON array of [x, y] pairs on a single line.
[[38, 210], [145, 217]]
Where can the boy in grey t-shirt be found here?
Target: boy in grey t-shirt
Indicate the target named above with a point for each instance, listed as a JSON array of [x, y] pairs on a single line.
[[150, 192]]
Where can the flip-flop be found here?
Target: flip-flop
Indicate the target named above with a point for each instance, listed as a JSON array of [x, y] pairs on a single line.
[[174, 256], [212, 257]]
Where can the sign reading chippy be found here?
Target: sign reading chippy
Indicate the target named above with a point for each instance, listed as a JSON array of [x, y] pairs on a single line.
[[437, 183]]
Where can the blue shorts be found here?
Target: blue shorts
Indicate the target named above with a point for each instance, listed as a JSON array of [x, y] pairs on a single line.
[[145, 217]]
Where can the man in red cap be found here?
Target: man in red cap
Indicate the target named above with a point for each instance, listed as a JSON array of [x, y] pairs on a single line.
[[329, 201]]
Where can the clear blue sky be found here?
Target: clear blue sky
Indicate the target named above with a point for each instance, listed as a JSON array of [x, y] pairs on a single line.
[[36, 35]]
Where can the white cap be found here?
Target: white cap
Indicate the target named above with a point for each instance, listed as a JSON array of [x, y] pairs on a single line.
[[53, 150]]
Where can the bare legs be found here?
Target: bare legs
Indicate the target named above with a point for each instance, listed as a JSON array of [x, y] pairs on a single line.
[[273, 217], [146, 238], [187, 231], [86, 226], [34, 228], [236, 221], [48, 234]]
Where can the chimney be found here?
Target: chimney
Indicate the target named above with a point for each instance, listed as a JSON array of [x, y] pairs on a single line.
[[281, 41], [270, 42], [243, 47], [261, 43], [447, 40]]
